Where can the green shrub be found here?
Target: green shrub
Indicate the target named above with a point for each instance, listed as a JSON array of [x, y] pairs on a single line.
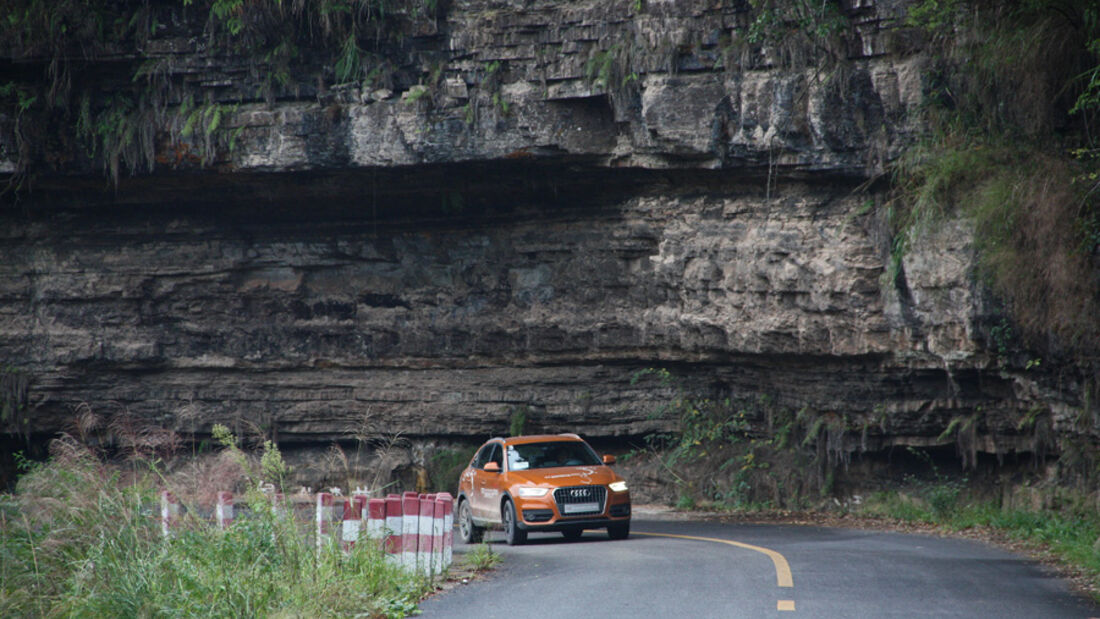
[[78, 539]]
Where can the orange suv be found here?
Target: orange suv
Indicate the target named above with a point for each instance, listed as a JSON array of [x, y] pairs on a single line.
[[541, 483]]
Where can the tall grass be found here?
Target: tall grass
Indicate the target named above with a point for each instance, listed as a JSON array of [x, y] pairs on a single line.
[[80, 539]]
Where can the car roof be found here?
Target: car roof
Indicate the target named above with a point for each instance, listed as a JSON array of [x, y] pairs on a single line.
[[541, 438]]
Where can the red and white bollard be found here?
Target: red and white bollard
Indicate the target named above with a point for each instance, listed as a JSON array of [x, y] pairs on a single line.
[[410, 531], [448, 528], [223, 512], [424, 539], [376, 519], [169, 512], [324, 516], [353, 520], [393, 529], [437, 535]]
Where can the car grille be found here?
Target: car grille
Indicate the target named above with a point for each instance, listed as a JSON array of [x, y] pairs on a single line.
[[580, 500]]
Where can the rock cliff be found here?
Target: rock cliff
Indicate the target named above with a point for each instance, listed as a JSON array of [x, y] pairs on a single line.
[[537, 201]]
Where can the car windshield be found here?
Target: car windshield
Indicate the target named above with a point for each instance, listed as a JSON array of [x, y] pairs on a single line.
[[549, 455]]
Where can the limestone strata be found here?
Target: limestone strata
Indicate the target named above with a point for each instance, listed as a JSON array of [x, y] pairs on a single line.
[[579, 192]]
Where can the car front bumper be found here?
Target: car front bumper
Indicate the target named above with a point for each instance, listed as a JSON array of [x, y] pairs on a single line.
[[543, 515]]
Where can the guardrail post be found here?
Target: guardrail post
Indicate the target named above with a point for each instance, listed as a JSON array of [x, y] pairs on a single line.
[[410, 507], [324, 513], [437, 534], [352, 524], [169, 512], [448, 528], [393, 528], [223, 512], [424, 539]]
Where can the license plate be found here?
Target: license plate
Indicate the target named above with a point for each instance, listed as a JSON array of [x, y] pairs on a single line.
[[576, 508]]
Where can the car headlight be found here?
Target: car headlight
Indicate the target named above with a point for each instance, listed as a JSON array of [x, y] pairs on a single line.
[[530, 492], [617, 486]]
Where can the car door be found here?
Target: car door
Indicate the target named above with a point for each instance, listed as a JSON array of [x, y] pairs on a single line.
[[485, 499]]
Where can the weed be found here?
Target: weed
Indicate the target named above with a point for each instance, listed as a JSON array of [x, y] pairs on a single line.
[[800, 33], [517, 421], [482, 558]]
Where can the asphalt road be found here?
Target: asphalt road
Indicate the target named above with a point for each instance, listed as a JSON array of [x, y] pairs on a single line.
[[757, 571]]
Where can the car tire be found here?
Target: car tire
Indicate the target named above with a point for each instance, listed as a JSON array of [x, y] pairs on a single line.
[[512, 533], [618, 531], [572, 533], [467, 530]]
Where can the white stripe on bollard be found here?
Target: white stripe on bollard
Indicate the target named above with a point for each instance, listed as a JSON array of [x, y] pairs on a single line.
[[224, 510]]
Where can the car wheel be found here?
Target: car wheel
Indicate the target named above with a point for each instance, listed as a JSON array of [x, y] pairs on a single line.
[[470, 532], [572, 533], [512, 533], [619, 531]]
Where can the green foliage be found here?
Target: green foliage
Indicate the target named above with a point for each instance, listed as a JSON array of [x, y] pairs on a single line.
[[445, 466], [517, 421], [1005, 78], [482, 558], [1069, 530], [1032, 231], [104, 556], [122, 131], [741, 453], [800, 32]]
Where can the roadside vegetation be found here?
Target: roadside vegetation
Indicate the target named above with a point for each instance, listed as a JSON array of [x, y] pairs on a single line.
[[753, 457], [1012, 110], [1065, 532], [82, 538]]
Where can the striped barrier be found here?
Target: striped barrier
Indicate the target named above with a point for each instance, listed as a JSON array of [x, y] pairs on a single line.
[[395, 524], [414, 530], [448, 541], [424, 533], [410, 530]]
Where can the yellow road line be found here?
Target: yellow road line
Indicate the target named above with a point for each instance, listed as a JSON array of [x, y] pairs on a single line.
[[785, 605], [782, 568]]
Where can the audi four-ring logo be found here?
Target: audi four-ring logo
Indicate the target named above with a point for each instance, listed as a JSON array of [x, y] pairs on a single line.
[[578, 493]]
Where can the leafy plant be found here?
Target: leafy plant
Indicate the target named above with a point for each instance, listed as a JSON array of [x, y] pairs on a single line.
[[517, 421], [482, 558]]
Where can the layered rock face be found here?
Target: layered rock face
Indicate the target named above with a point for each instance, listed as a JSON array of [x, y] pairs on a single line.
[[582, 191]]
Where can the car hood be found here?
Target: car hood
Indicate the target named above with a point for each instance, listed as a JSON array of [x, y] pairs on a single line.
[[599, 475]]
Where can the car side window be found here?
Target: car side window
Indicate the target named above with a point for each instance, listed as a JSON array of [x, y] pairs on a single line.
[[483, 456], [497, 456]]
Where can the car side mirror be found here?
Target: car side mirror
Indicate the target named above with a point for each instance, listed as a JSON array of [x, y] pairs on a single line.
[[609, 460], [492, 467]]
